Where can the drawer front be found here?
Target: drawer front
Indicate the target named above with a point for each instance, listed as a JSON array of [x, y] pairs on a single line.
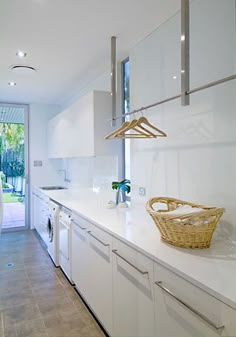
[[182, 306], [133, 302], [100, 241]]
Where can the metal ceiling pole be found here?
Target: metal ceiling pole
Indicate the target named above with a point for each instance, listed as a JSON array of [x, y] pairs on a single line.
[[185, 52], [113, 79]]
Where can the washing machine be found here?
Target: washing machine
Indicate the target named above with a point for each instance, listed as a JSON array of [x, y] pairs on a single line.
[[52, 231]]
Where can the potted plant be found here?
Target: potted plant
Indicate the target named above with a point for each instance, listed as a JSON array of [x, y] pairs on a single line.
[[121, 186]]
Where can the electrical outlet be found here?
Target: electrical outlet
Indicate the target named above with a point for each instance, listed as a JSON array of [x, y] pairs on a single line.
[[142, 191], [38, 163]]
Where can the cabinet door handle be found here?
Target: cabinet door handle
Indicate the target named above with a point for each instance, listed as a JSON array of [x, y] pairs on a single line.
[[131, 264], [64, 224], [75, 223], [196, 312], [93, 236]]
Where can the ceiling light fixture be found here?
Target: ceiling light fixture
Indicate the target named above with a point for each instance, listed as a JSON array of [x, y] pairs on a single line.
[[12, 84], [21, 54], [20, 69]]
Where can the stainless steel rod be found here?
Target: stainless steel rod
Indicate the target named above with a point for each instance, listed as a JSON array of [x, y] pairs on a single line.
[[76, 223], [148, 106], [196, 312], [131, 264], [93, 236], [212, 84], [192, 91], [185, 59], [113, 78]]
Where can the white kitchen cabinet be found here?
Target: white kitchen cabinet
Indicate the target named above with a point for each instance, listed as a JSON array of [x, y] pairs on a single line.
[[79, 130], [80, 255], [133, 302], [212, 44], [92, 268], [100, 292], [184, 310]]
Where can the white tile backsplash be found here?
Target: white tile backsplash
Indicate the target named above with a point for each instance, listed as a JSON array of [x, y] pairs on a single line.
[[90, 172], [197, 161]]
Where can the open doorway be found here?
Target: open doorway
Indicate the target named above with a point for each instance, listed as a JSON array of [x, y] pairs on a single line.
[[14, 165]]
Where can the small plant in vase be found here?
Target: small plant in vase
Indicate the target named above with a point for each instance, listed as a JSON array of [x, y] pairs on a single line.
[[121, 188]]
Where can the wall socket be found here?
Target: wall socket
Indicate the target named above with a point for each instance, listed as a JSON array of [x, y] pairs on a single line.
[[142, 191], [38, 163]]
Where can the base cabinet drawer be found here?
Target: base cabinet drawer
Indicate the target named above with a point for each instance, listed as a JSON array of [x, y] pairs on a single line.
[[133, 310], [100, 274], [184, 310], [92, 268]]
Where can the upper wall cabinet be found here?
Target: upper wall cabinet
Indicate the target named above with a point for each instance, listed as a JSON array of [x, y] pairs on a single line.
[[155, 64], [79, 130], [212, 41]]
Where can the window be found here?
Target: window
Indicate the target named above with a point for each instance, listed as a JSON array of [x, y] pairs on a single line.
[[126, 108]]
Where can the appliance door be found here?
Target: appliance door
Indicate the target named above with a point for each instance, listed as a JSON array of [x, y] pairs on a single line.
[[64, 239], [50, 229]]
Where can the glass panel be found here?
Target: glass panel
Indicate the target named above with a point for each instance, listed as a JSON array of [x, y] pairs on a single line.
[[212, 41], [155, 65]]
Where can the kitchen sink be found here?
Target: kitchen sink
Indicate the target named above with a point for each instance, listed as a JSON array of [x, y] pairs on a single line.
[[51, 188]]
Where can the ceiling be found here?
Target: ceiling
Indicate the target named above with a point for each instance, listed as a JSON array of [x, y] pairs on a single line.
[[68, 42]]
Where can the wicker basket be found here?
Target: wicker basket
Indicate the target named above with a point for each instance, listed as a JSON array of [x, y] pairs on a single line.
[[191, 230]]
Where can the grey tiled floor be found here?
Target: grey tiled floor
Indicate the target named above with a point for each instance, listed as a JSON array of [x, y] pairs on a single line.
[[36, 300]]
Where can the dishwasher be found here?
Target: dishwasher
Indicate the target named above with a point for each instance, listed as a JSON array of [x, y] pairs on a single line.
[[65, 241]]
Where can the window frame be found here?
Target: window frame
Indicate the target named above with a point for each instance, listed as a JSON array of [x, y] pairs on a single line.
[[125, 141]]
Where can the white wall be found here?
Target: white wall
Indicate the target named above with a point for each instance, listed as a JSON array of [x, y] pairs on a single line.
[[39, 114], [197, 162]]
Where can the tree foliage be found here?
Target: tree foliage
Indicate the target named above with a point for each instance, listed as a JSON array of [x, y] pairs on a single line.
[[11, 136]]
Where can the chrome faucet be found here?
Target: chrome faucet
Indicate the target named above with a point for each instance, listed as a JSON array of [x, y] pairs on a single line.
[[65, 178]]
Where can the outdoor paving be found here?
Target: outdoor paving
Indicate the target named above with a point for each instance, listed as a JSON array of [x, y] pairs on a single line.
[[36, 300], [13, 215]]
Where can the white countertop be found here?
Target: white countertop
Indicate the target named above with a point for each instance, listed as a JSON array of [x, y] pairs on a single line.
[[212, 269]]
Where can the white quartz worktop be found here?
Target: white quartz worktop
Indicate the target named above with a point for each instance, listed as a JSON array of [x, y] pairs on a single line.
[[212, 269]]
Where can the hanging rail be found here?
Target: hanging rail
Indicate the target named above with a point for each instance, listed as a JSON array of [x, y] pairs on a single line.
[[185, 71], [192, 91]]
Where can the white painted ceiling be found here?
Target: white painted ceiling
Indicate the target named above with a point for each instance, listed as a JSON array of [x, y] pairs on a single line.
[[68, 42]]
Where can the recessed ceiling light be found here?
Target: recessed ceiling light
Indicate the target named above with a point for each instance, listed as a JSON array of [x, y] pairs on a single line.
[[174, 77], [12, 84], [21, 54]]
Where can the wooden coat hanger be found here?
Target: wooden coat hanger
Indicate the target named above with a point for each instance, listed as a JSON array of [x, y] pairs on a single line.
[[159, 132], [132, 126], [125, 127], [141, 130]]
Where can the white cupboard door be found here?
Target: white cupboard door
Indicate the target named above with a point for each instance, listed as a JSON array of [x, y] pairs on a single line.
[[133, 304], [79, 257], [184, 310], [100, 294]]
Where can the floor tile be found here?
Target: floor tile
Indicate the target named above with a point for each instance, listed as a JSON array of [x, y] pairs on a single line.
[[33, 328], [36, 299], [57, 305], [8, 331], [26, 312]]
